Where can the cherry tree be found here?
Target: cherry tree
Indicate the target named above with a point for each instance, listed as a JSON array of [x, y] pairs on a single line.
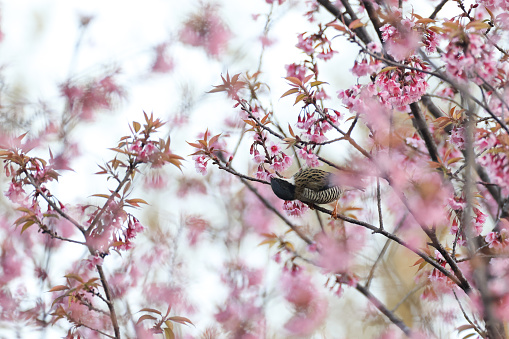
[[416, 245]]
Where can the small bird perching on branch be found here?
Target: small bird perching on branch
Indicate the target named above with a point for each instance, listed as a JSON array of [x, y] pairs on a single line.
[[310, 185]]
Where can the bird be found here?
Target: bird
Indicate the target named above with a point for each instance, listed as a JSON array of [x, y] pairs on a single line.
[[309, 185]]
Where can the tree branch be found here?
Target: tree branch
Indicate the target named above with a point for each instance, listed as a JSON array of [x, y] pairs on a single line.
[[381, 307], [107, 292]]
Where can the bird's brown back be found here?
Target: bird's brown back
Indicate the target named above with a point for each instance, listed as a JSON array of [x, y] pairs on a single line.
[[313, 179]]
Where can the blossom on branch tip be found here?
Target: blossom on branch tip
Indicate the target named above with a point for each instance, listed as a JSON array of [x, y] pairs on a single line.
[[296, 71], [200, 163], [16, 193]]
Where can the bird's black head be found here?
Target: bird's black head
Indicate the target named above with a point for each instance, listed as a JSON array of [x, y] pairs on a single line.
[[282, 188]]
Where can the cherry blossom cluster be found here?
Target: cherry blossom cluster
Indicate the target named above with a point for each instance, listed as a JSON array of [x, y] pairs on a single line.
[[266, 152], [306, 153], [296, 70], [468, 56], [295, 208], [478, 223], [310, 307], [241, 314], [162, 63], [498, 240], [206, 29], [209, 148], [402, 36], [401, 40], [398, 87], [316, 45], [495, 158], [85, 99], [394, 88], [435, 275], [366, 66], [315, 125], [278, 161]]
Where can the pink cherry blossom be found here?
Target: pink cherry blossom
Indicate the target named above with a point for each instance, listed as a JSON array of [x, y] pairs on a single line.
[[200, 163], [308, 156], [295, 208], [366, 67], [498, 240], [295, 70], [457, 137], [206, 29], [310, 307], [162, 63], [274, 148], [16, 193]]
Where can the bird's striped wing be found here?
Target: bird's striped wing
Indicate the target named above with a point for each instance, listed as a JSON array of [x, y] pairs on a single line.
[[324, 196]]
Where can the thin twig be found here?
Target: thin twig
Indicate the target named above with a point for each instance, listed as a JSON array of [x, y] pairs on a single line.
[[437, 9], [379, 203], [130, 170], [270, 207], [247, 109], [51, 203], [107, 292], [398, 240], [98, 331], [406, 296], [242, 176], [381, 307], [382, 252], [422, 129], [474, 326]]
